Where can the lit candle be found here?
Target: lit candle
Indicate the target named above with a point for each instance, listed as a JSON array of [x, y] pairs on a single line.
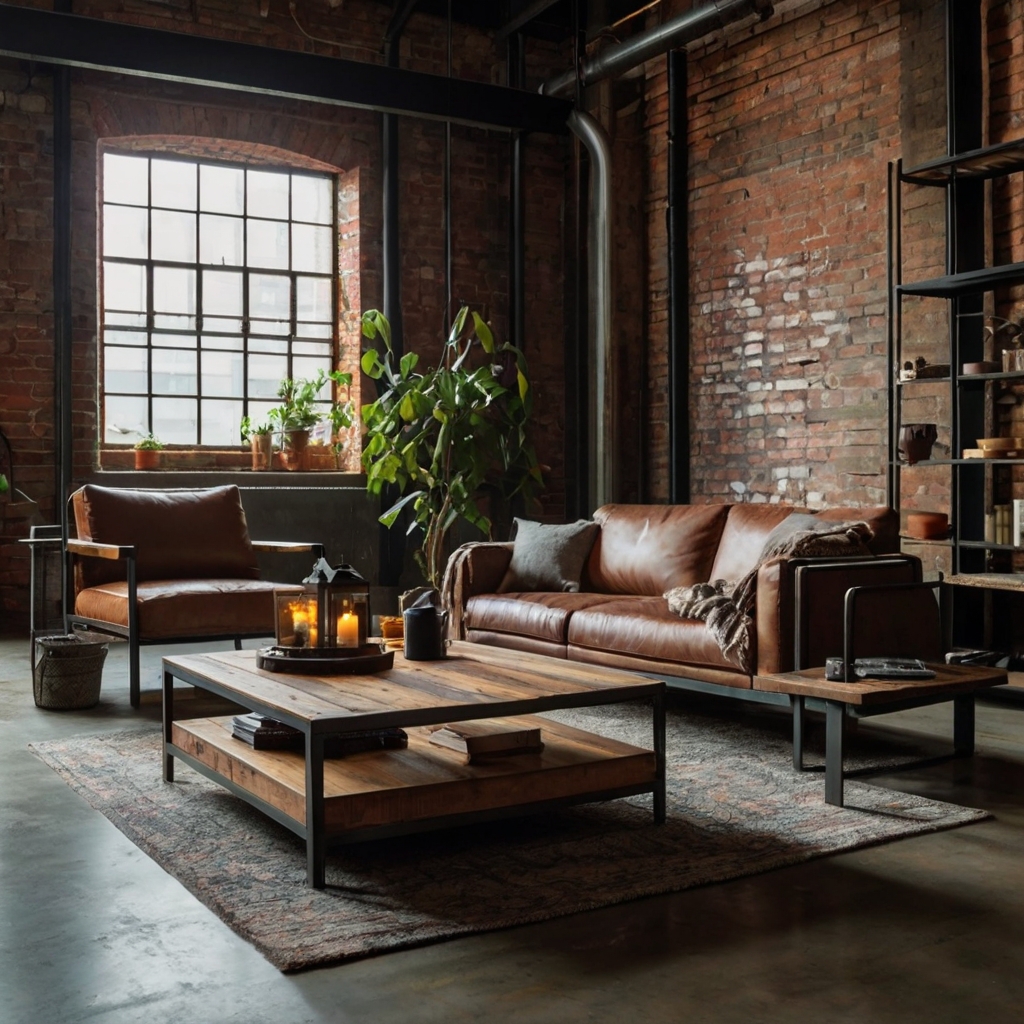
[[312, 634], [348, 630], [300, 626]]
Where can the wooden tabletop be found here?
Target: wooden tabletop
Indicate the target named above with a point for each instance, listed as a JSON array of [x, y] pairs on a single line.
[[474, 681], [949, 680]]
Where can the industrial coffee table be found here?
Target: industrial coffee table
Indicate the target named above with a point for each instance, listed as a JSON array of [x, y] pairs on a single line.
[[393, 792]]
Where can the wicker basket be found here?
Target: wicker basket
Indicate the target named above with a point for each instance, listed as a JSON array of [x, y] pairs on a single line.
[[69, 673]]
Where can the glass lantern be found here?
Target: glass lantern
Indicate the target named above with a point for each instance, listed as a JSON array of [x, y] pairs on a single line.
[[330, 613]]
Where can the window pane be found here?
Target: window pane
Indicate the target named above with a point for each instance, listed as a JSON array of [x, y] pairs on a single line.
[[313, 298], [220, 240], [258, 411], [221, 325], [221, 189], [174, 236], [268, 194], [312, 248], [174, 290], [174, 184], [222, 375], [311, 348], [127, 419], [267, 244], [221, 422], [311, 199], [125, 369], [313, 330], [306, 368], [266, 374], [174, 372], [229, 344], [270, 295], [125, 178], [124, 286], [125, 232], [124, 319], [174, 340], [222, 293], [268, 345], [124, 337], [174, 420]]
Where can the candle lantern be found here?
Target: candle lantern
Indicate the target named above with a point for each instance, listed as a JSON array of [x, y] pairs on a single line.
[[323, 626]]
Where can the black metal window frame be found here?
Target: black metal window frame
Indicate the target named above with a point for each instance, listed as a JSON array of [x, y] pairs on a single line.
[[248, 333]]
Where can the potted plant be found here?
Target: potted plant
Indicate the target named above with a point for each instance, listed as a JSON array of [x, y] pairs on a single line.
[[261, 440], [443, 434], [147, 453], [300, 412]]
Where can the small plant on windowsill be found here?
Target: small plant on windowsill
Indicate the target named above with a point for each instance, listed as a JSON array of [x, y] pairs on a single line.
[[299, 413], [261, 439], [147, 452]]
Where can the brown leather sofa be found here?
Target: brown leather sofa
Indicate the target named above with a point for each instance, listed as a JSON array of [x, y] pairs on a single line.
[[621, 619], [168, 566]]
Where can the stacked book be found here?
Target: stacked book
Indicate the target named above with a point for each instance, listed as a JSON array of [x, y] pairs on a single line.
[[483, 739], [263, 733]]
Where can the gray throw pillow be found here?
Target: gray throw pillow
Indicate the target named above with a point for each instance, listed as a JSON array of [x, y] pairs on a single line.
[[546, 557]]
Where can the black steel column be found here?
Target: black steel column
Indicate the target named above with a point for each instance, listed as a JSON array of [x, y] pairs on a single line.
[[516, 248], [965, 234], [63, 438], [678, 282]]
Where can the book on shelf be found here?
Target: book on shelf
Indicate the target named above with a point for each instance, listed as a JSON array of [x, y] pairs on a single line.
[[1017, 531], [264, 733], [483, 739]]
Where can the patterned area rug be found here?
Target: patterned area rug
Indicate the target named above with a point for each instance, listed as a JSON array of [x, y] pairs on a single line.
[[735, 807]]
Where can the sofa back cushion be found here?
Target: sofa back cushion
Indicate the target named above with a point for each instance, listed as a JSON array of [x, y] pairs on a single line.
[[648, 549], [748, 527], [176, 534]]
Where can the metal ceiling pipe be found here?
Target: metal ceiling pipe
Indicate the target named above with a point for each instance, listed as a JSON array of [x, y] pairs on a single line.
[[675, 32], [602, 414]]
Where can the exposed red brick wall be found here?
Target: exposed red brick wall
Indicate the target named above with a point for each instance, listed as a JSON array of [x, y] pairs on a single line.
[[107, 107]]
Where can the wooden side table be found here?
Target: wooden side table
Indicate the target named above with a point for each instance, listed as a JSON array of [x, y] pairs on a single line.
[[865, 698]]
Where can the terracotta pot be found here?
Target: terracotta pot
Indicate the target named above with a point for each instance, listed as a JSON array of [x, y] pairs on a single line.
[[262, 450], [293, 452], [916, 440], [147, 458], [928, 525]]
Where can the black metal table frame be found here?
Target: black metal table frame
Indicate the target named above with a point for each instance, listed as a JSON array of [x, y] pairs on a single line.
[[316, 731], [836, 713]]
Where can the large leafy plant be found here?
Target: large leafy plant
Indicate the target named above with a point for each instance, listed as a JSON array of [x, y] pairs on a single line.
[[442, 434]]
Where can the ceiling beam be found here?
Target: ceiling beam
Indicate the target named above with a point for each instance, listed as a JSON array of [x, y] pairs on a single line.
[[76, 41]]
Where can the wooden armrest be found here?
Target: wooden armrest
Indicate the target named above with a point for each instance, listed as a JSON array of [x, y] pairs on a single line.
[[285, 546], [93, 550]]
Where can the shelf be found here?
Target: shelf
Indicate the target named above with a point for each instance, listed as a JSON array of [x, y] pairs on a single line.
[[961, 462], [1001, 375], [943, 542], [967, 283], [988, 580], [924, 380], [989, 545], [977, 164]]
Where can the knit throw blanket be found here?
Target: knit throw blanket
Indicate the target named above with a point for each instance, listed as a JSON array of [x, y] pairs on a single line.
[[727, 606]]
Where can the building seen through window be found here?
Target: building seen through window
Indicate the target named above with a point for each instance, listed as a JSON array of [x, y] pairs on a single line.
[[217, 282]]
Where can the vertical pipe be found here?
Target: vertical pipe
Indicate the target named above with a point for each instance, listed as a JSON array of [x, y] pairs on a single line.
[[448, 306], [517, 256], [63, 438], [602, 417], [678, 281]]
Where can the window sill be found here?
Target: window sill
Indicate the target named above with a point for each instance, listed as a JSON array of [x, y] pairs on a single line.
[[189, 478]]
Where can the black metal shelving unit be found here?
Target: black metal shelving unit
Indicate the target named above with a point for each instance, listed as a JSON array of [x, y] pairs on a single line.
[[972, 481]]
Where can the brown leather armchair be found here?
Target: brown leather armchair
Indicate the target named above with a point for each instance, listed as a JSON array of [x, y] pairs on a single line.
[[168, 567]]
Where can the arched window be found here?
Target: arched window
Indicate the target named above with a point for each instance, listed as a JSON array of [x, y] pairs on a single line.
[[217, 281]]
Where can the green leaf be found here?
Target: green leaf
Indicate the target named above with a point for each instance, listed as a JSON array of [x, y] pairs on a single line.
[[407, 410], [524, 385], [408, 363], [483, 332], [371, 365], [389, 517]]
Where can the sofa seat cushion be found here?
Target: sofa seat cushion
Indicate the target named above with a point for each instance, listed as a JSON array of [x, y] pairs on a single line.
[[644, 627], [542, 616], [183, 608]]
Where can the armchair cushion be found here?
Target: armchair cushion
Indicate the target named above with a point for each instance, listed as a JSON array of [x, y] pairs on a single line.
[[176, 534], [185, 608]]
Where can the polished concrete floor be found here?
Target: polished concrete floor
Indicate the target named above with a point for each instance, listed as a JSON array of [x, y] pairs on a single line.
[[928, 929]]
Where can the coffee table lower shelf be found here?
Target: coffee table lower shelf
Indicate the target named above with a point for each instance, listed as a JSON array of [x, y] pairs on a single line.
[[394, 792]]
